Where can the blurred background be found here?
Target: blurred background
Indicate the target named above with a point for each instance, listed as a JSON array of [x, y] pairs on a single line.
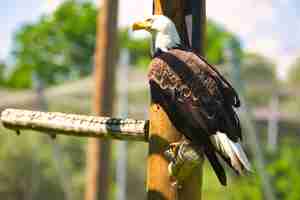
[[46, 61]]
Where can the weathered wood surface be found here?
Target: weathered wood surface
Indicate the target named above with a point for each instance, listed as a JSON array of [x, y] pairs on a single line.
[[76, 125], [160, 184], [161, 134]]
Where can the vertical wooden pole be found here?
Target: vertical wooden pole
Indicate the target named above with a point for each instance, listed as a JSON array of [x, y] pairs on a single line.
[[162, 132], [198, 10], [98, 151]]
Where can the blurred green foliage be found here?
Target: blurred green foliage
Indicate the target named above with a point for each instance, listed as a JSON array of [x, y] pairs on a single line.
[[294, 73], [28, 169], [57, 47], [2, 71], [259, 76], [283, 167], [257, 69], [217, 39], [139, 48], [291, 103], [285, 170]]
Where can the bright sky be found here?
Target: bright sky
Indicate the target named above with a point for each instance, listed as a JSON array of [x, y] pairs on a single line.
[[270, 27]]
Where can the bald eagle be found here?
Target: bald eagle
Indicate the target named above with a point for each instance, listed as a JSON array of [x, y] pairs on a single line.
[[198, 100]]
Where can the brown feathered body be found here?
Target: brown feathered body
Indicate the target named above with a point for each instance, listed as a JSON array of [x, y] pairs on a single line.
[[197, 98]]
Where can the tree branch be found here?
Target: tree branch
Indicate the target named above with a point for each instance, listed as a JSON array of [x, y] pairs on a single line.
[[77, 125]]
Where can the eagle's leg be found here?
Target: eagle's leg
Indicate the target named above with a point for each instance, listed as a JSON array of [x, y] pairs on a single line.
[[184, 157]]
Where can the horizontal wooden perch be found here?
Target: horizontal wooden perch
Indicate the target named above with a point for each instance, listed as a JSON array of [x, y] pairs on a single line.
[[77, 125], [51, 123]]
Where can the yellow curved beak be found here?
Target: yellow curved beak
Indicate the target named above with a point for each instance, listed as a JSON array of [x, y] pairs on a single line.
[[141, 26]]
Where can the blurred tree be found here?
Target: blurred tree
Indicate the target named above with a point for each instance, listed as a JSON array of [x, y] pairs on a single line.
[[291, 103], [294, 73], [284, 168], [259, 76], [57, 47], [28, 172], [257, 69], [217, 38], [2, 71], [138, 47]]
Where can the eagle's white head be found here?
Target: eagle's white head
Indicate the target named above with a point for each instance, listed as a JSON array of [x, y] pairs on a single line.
[[162, 29]]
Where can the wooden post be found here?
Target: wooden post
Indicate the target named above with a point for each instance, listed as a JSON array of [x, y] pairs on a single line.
[[98, 158], [161, 131]]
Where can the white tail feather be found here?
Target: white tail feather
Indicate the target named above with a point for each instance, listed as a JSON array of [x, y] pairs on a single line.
[[242, 155], [231, 150]]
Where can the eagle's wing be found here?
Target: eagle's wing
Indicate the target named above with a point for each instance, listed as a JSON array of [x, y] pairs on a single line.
[[228, 91], [197, 92], [199, 102]]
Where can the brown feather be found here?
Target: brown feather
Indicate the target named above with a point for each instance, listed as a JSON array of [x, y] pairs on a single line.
[[197, 98], [199, 88]]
